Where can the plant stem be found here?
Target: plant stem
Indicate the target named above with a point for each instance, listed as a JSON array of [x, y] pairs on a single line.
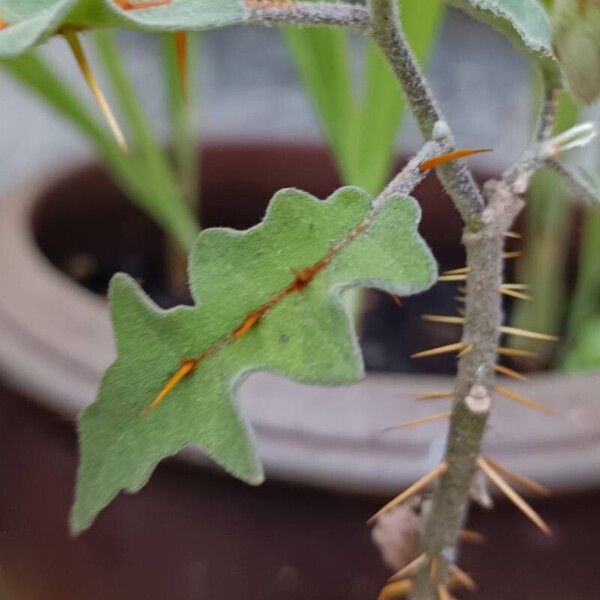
[[309, 13], [486, 218], [456, 178]]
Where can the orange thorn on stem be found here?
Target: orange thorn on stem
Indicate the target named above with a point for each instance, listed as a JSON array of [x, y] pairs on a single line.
[[447, 157], [534, 335], [415, 488], [527, 482], [462, 577], [181, 46], [395, 590], [510, 373], [471, 537], [525, 400], [411, 569], [86, 71], [436, 395], [422, 421], [187, 368], [450, 319], [504, 487], [516, 352], [251, 321], [440, 350], [140, 4], [3, 24], [459, 271], [446, 278]]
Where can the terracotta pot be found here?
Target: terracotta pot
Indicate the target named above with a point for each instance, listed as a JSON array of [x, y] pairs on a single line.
[[193, 533]]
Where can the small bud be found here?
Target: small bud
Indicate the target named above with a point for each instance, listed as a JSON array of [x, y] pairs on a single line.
[[575, 137], [441, 131]]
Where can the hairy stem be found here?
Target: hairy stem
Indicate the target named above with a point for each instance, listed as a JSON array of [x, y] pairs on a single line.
[[456, 178], [483, 318], [323, 14]]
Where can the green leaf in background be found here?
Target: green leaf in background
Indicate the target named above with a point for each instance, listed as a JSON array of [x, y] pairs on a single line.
[[145, 181], [576, 42], [585, 353], [177, 15], [359, 123], [546, 243], [524, 22], [29, 22], [256, 309]]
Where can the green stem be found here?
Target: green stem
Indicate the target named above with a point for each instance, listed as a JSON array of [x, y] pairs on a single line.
[[155, 168], [128, 169]]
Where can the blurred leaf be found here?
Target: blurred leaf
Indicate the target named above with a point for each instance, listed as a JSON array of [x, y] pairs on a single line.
[[584, 355], [145, 187], [29, 22], [524, 22], [301, 332], [576, 42]]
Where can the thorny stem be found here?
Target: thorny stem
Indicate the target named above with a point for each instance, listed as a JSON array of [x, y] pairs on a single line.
[[456, 177], [487, 217]]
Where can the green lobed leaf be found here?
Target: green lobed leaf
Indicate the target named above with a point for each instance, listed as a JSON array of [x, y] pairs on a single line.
[[177, 15], [29, 22], [524, 22], [307, 335]]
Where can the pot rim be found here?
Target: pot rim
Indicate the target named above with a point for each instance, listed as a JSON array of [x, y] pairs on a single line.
[[56, 342]]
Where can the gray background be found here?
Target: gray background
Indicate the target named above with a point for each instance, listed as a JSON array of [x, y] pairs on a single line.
[[248, 90]]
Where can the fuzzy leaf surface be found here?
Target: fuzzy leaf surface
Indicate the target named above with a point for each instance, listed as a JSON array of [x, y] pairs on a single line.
[[306, 335], [524, 22], [30, 22]]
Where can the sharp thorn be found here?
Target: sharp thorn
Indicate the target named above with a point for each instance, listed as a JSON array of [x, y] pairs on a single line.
[[510, 373], [513, 234], [395, 590], [88, 75], [513, 254], [515, 286], [415, 488], [471, 537], [462, 577], [447, 157], [514, 294], [187, 368], [181, 46], [422, 421], [466, 350], [450, 319], [526, 401], [411, 569], [515, 498], [526, 482], [436, 395], [459, 271], [534, 335], [443, 593], [440, 350], [446, 278], [516, 352]]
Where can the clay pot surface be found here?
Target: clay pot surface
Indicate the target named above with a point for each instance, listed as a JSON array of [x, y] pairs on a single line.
[[56, 341]]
